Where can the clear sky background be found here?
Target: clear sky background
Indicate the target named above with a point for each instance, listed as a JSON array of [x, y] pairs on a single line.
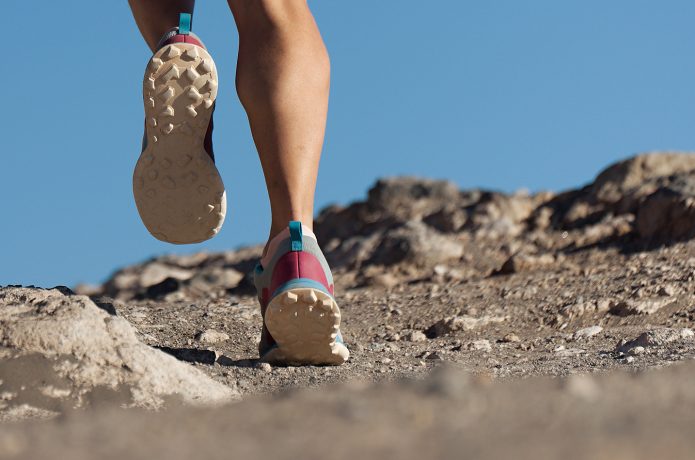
[[499, 94]]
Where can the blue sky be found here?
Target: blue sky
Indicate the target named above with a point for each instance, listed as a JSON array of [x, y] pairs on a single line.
[[499, 94]]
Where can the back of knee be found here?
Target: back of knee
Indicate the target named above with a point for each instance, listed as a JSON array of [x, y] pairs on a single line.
[[265, 16]]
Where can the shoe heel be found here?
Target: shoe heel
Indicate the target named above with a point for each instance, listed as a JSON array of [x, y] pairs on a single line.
[[305, 323]]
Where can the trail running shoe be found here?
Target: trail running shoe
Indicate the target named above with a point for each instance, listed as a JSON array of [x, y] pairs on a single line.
[[301, 320], [178, 191]]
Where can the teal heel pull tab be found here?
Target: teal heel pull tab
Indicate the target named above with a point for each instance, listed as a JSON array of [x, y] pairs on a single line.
[[185, 23], [296, 235]]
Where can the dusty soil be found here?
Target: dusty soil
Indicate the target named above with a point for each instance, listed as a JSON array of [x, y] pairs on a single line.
[[521, 324], [528, 288], [450, 415]]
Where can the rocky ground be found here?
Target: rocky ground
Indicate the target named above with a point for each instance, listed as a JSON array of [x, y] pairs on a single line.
[[484, 288]]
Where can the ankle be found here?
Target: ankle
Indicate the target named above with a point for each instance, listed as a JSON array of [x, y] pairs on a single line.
[[277, 237], [278, 227]]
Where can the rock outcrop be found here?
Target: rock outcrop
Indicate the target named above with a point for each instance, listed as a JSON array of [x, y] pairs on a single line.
[[410, 225], [621, 188], [59, 350]]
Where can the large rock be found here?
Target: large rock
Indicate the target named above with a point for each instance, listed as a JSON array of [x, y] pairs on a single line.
[[668, 214], [192, 276], [406, 218], [410, 198], [59, 350], [423, 221], [620, 178], [619, 189], [390, 201], [415, 243], [497, 215]]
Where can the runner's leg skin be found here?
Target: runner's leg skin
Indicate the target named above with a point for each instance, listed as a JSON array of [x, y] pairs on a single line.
[[282, 79], [155, 17]]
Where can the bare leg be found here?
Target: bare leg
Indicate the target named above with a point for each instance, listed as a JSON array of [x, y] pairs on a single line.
[[154, 17], [283, 77]]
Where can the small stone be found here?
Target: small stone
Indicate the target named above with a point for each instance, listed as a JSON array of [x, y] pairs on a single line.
[[637, 351], [416, 336], [667, 291], [511, 338], [603, 305], [480, 345], [395, 337], [629, 360], [563, 352], [654, 338], [587, 332], [434, 356], [212, 336], [459, 323], [265, 367]]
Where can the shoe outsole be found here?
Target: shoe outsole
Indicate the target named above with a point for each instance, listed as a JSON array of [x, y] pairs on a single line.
[[304, 323], [178, 191]]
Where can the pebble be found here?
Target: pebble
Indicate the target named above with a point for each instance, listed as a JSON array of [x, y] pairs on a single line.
[[212, 336], [265, 367], [587, 332], [511, 338], [415, 336], [667, 291], [603, 305], [563, 352], [637, 351], [655, 338], [480, 345]]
